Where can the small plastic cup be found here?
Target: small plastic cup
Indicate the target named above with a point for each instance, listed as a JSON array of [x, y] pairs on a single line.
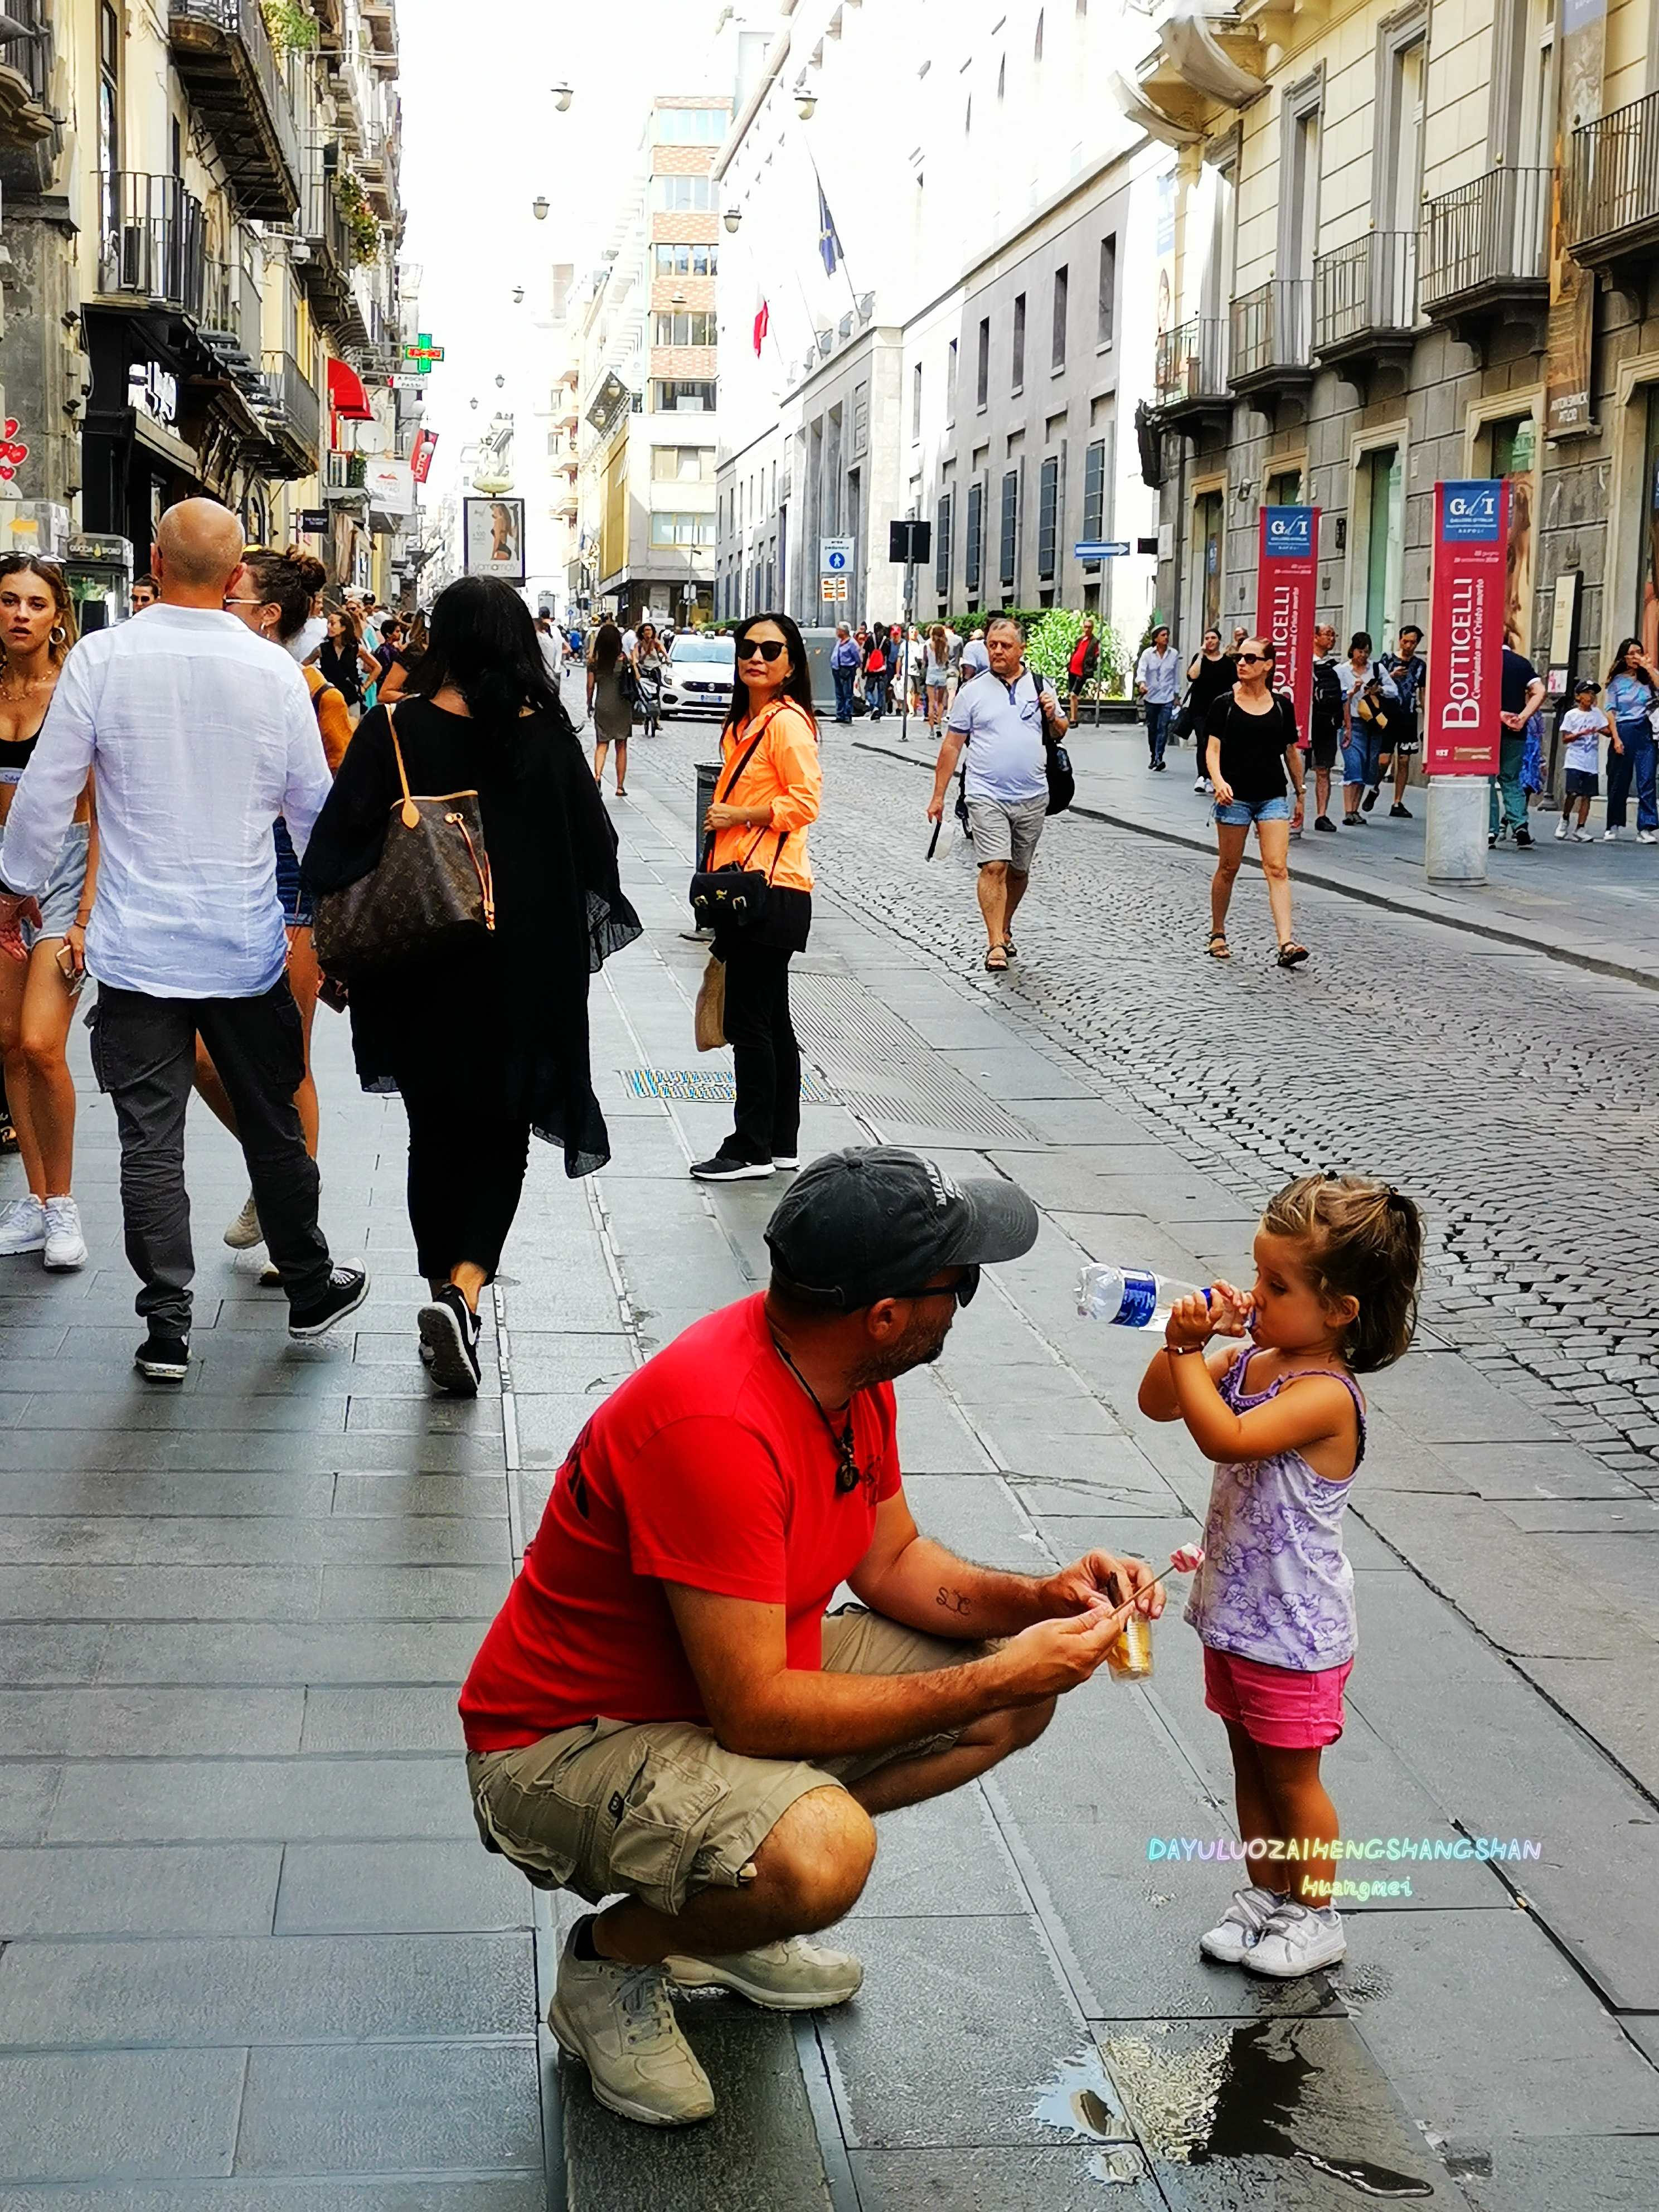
[[1129, 1655]]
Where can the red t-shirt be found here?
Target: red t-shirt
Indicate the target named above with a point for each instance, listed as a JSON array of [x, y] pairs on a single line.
[[708, 1466]]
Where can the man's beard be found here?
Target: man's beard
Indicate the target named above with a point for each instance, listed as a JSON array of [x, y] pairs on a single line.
[[919, 1346]]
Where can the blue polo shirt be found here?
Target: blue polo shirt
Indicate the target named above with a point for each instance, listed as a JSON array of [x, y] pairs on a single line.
[[1003, 724]]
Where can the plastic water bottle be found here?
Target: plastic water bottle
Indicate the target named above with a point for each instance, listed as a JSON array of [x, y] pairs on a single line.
[[1131, 1297]]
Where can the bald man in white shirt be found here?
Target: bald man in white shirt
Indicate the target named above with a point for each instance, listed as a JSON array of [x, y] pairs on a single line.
[[198, 733]]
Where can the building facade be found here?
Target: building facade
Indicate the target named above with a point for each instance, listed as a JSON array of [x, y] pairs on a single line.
[[647, 362], [201, 213], [945, 248], [1409, 244]]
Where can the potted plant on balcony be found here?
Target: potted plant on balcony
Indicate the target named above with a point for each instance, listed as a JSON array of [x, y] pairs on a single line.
[[289, 27], [356, 470], [358, 217]]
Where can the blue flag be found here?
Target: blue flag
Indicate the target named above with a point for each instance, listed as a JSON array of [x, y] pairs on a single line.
[[830, 250]]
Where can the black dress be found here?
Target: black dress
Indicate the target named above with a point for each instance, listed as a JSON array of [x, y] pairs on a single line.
[[499, 1027], [340, 665]]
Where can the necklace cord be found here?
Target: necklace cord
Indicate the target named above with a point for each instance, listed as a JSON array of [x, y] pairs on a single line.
[[848, 1472]]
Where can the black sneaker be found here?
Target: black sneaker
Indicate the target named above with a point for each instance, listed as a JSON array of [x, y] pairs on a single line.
[[1398, 813], [449, 1343], [163, 1358], [1523, 838], [723, 1167], [1354, 821], [1370, 797], [347, 1289], [1324, 822]]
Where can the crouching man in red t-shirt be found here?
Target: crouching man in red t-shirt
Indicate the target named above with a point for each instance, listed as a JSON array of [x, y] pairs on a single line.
[[661, 1707]]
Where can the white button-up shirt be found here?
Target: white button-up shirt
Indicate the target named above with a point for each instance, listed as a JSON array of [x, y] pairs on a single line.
[[198, 734]]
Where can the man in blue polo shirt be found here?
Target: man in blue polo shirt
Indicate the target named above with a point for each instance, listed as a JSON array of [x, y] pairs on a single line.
[[999, 716]]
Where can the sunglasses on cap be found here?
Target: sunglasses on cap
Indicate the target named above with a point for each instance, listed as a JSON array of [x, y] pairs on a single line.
[[766, 649]]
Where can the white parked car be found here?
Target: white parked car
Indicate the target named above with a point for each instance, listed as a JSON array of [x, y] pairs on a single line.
[[698, 678]]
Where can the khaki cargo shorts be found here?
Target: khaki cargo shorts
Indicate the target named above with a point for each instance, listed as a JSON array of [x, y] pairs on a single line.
[[658, 1808]]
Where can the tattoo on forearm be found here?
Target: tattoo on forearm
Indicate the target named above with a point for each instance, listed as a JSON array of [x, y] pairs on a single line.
[[952, 1600]]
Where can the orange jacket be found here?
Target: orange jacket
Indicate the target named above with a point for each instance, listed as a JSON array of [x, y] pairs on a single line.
[[784, 775], [333, 722]]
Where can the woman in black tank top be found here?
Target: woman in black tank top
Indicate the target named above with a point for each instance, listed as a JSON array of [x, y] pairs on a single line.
[[1249, 742], [345, 660]]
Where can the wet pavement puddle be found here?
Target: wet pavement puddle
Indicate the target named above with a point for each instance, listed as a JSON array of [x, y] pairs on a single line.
[[1303, 2091]]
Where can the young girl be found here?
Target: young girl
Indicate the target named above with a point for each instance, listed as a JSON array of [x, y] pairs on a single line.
[[1338, 1260]]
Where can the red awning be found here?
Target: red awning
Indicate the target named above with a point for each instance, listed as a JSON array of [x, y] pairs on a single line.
[[346, 395]]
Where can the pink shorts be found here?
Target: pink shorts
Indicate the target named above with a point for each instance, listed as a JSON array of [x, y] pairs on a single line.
[[1277, 1705]]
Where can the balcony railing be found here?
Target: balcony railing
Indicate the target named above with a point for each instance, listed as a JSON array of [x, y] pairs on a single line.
[[1612, 185], [1272, 332], [345, 477], [294, 410], [1364, 292], [151, 244], [1487, 237], [327, 275], [222, 52], [231, 305], [1191, 369], [26, 52]]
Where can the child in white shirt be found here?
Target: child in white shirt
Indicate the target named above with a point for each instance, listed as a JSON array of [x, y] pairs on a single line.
[[1582, 727]]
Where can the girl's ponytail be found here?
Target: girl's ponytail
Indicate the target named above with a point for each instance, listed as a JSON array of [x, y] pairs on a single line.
[[1364, 1241]]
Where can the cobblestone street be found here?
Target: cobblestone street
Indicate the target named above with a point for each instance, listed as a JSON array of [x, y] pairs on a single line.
[[253, 1959]]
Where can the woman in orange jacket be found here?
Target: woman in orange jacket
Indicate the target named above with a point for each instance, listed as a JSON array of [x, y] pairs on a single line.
[[766, 798]]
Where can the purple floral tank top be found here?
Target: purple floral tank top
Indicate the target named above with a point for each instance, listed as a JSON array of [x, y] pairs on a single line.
[[1275, 1585]]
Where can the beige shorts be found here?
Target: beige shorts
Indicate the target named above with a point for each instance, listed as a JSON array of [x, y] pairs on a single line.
[[658, 1808], [1007, 830]]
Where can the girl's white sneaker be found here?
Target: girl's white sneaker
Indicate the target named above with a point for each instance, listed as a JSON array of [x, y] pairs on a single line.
[[22, 1227], [1251, 1910], [66, 1245], [1295, 1942]]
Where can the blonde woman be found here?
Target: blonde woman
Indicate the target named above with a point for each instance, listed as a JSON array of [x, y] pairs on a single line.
[[37, 994], [938, 674]]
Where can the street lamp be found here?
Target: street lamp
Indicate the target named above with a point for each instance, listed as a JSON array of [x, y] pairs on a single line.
[[806, 99], [517, 302], [733, 216], [563, 96], [539, 207]]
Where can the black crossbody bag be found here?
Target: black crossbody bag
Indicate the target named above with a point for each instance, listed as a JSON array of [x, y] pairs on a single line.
[[736, 897]]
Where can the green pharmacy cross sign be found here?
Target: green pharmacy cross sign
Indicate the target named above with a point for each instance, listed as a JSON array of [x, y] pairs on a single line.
[[424, 353]]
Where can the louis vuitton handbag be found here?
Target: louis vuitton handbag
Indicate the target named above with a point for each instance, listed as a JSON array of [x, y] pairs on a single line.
[[429, 891]]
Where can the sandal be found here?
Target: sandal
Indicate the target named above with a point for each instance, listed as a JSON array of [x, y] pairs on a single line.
[[1218, 947], [1291, 956], [1008, 947], [997, 960]]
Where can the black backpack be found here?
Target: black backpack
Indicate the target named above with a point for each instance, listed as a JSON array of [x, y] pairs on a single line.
[[1327, 699]]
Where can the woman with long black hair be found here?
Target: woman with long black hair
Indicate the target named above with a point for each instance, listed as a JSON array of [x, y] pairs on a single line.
[[487, 1043], [766, 798], [345, 660]]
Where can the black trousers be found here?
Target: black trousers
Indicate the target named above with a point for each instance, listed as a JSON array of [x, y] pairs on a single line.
[[465, 1177], [766, 1056], [143, 1054]]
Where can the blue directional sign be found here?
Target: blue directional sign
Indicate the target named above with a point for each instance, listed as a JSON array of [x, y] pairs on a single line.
[[1101, 548]]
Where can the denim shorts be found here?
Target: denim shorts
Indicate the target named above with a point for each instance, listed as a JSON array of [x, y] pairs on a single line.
[[1239, 813], [60, 900]]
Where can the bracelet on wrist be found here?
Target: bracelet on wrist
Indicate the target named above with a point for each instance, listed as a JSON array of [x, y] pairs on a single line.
[[1180, 1350]]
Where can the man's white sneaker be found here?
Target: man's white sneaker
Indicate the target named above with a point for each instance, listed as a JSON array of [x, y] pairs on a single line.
[[245, 1232], [791, 1975], [619, 2022], [1647, 836], [1561, 829], [1240, 1924], [65, 1246], [1583, 837], [1295, 1942], [22, 1227], [1609, 836]]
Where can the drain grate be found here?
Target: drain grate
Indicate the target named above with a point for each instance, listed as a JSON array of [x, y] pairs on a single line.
[[709, 1086]]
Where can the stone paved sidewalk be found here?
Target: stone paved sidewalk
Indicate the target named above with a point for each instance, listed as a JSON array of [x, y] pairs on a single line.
[[254, 1959]]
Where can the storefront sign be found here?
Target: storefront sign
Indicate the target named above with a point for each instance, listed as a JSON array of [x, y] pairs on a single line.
[[1287, 546], [1465, 631], [493, 537], [153, 392], [420, 461], [312, 522]]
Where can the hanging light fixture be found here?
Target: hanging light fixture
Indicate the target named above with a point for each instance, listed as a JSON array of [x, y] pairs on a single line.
[[563, 96], [539, 207]]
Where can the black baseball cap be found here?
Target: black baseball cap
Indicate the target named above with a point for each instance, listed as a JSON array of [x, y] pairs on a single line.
[[876, 1222], [1585, 683]]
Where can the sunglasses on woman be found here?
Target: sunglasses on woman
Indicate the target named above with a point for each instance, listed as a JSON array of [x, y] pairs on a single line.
[[765, 649]]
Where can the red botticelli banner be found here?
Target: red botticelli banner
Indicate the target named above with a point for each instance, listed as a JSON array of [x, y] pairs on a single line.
[[1288, 547], [1460, 728]]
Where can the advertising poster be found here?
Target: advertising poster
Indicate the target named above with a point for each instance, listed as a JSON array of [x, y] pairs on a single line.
[[1571, 329], [1460, 727], [493, 537], [1285, 601]]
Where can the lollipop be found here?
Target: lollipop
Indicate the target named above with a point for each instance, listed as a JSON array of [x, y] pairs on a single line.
[[1189, 1559]]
